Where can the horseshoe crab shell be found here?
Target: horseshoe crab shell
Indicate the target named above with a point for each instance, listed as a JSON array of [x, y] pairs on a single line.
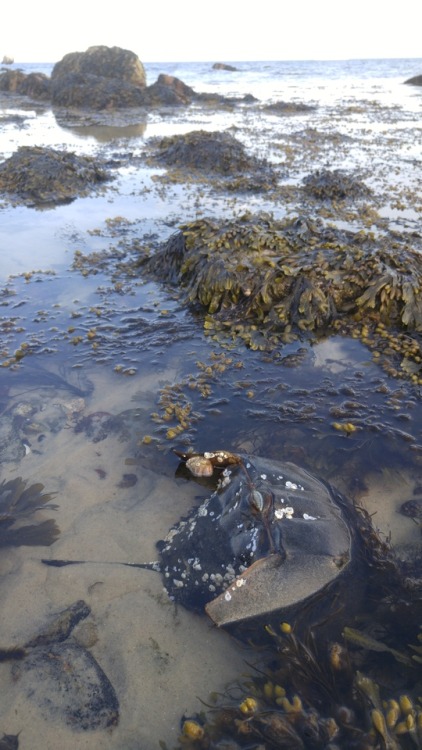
[[271, 536]]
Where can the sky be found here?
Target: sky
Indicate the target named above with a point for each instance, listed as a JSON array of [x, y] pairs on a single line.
[[216, 31]]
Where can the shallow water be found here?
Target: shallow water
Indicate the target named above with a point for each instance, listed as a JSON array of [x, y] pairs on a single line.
[[103, 352]]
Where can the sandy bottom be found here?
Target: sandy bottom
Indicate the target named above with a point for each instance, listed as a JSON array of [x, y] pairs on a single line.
[[160, 659]]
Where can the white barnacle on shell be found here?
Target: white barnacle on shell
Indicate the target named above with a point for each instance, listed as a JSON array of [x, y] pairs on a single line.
[[307, 517], [284, 513], [291, 485], [227, 596], [240, 582]]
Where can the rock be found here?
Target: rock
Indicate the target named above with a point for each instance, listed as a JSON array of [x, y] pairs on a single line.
[[415, 81], [104, 62], [35, 85], [63, 678], [100, 78], [201, 151], [168, 90], [325, 184], [288, 108], [223, 66], [38, 176], [7, 60]]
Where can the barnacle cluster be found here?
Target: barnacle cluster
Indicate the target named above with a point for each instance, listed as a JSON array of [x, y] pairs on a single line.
[[267, 282]]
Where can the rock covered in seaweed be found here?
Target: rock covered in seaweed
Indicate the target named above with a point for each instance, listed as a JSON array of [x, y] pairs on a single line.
[[35, 85], [336, 184], [38, 176], [267, 281], [204, 152]]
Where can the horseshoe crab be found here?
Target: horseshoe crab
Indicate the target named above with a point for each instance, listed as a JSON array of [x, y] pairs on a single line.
[[269, 536]]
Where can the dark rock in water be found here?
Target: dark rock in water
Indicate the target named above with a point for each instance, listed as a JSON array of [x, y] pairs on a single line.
[[224, 66], [68, 684], [271, 536], [412, 509], [9, 742], [37, 176], [63, 678], [415, 80]]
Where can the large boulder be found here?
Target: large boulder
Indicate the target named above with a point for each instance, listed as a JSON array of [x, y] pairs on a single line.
[[100, 78], [102, 61]]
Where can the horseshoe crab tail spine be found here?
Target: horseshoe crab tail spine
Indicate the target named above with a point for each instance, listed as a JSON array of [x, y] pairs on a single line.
[[62, 563]]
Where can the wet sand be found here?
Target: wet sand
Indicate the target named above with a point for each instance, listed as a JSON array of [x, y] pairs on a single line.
[[160, 658]]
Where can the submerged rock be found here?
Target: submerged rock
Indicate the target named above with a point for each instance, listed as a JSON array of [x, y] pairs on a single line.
[[37, 176], [62, 677]]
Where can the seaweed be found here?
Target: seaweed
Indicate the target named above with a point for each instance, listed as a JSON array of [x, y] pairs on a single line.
[[267, 282], [17, 502]]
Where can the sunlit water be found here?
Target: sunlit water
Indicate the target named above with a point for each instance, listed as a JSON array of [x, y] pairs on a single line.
[[100, 350]]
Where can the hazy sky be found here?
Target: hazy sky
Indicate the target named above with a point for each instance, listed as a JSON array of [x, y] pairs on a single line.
[[220, 30]]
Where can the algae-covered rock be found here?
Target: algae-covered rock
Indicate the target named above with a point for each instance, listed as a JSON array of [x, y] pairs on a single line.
[[204, 152], [34, 85], [266, 281], [325, 184], [37, 176]]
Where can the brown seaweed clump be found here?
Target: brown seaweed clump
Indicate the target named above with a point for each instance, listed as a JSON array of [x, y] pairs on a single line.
[[17, 502], [38, 176], [204, 152], [325, 184], [267, 282], [310, 701]]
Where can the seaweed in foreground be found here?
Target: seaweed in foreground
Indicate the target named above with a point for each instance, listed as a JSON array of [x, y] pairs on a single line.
[[357, 688], [315, 698], [17, 501]]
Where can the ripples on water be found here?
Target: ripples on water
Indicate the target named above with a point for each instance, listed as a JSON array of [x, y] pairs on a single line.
[[102, 353]]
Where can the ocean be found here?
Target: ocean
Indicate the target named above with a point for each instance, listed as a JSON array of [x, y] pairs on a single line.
[[104, 372]]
